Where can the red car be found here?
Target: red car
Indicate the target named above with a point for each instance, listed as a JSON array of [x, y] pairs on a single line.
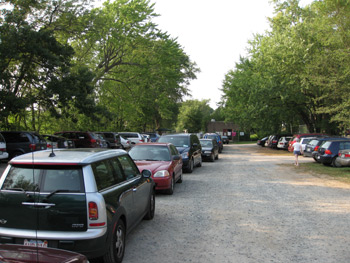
[[163, 160], [28, 254]]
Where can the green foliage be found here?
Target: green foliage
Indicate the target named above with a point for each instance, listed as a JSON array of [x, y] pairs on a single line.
[[297, 73]]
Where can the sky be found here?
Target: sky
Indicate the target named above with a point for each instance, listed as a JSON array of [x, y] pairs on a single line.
[[214, 34]]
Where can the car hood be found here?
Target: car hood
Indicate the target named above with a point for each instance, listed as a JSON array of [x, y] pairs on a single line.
[[153, 165]]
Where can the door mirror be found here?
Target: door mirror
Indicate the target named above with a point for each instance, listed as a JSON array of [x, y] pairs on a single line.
[[176, 157]]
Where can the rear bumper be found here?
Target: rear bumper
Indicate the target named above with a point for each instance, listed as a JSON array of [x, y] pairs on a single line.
[[344, 162]]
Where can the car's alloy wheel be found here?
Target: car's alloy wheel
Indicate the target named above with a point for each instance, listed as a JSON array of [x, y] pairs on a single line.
[[170, 191], [116, 249]]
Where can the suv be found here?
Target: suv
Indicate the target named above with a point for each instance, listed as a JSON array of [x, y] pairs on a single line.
[[216, 137], [81, 139], [188, 146], [83, 200], [20, 142], [133, 137], [113, 139]]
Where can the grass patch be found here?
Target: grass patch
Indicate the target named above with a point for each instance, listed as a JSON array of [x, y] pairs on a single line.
[[318, 169]]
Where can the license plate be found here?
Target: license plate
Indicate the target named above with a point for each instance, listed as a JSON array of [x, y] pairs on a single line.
[[35, 243]]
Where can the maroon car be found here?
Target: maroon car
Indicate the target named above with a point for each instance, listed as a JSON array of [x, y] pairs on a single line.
[[28, 254], [163, 160]]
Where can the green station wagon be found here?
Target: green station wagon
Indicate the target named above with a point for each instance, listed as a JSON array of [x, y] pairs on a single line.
[[83, 200]]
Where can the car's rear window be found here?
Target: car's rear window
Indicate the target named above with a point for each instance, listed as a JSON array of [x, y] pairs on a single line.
[[45, 179], [178, 141]]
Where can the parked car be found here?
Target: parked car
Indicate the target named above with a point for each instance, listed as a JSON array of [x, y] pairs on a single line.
[[101, 139], [20, 142], [153, 136], [216, 137], [112, 140], [328, 151], [146, 137], [304, 141], [81, 139], [283, 142], [262, 141], [82, 200], [302, 135], [10, 253], [210, 149], [343, 158], [188, 146], [3, 153], [54, 141], [225, 139], [316, 143], [163, 159], [126, 144], [274, 140], [133, 137]]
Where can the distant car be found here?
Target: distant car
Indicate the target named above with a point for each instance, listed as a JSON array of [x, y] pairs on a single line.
[[55, 142], [262, 141], [210, 149], [25, 254], [329, 150], [316, 144], [153, 135], [304, 141], [216, 137], [3, 152], [188, 146], [126, 144], [101, 139], [302, 135], [309, 148], [163, 159], [343, 158], [133, 137], [20, 142], [82, 139], [83, 200], [283, 142], [147, 137], [112, 139], [225, 139], [275, 139]]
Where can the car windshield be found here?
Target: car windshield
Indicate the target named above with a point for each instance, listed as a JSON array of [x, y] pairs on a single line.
[[150, 153], [313, 142], [178, 141], [206, 143], [210, 136]]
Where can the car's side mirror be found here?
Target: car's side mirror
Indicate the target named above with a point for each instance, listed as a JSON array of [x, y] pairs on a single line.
[[146, 173]]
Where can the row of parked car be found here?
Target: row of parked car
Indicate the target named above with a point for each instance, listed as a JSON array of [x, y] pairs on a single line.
[[14, 143], [87, 200], [328, 150]]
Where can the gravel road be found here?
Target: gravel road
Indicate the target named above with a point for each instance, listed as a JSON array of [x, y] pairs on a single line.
[[247, 207]]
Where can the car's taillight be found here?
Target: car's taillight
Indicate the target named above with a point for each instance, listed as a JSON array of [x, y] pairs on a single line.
[[347, 155], [274, 141], [316, 148], [93, 211], [49, 145], [32, 147], [142, 141], [328, 152], [2, 150], [93, 141]]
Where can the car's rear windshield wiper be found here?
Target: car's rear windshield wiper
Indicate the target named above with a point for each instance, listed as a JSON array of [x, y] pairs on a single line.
[[55, 192]]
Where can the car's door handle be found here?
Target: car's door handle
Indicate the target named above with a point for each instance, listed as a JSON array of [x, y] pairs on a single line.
[[45, 205]]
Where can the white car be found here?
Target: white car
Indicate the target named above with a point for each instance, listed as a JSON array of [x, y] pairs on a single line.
[[3, 153], [133, 137], [283, 142], [126, 144]]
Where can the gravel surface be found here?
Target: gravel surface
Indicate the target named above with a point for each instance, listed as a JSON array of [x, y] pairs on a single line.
[[247, 207]]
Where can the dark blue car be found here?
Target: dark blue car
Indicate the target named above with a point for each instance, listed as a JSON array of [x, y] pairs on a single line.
[[328, 151]]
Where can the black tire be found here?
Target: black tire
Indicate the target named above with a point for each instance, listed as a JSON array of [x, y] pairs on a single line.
[[170, 191], [335, 162], [200, 162], [151, 207], [116, 248], [180, 179], [190, 166], [212, 157]]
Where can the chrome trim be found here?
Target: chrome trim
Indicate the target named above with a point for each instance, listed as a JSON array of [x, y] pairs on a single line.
[[53, 235], [47, 205]]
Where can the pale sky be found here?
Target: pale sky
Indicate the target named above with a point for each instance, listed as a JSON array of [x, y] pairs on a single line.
[[214, 34]]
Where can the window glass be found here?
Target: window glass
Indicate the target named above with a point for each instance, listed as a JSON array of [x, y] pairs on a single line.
[[104, 174], [117, 171], [62, 178], [129, 167], [22, 178], [173, 150], [178, 141], [23, 138]]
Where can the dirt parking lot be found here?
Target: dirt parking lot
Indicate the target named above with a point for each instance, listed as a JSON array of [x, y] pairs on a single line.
[[247, 207]]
